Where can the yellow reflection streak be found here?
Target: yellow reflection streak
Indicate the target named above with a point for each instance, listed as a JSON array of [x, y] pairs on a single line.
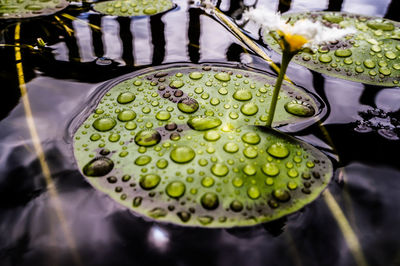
[[38, 147], [67, 29], [68, 16]]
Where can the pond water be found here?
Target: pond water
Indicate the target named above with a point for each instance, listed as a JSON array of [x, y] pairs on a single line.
[[71, 223]]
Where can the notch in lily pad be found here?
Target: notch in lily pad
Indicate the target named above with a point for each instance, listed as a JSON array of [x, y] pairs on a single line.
[[133, 8], [371, 56], [202, 168]]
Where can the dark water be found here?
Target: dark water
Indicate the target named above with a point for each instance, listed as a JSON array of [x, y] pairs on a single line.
[[61, 79]]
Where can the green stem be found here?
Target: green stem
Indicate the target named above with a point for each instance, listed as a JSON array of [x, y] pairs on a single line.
[[286, 57]]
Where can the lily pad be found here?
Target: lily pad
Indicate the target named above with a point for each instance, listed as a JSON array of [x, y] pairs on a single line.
[[30, 8], [160, 144], [370, 56], [129, 8]]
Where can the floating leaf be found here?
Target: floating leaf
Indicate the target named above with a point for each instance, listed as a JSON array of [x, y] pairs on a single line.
[[131, 8], [370, 56], [30, 8], [180, 156]]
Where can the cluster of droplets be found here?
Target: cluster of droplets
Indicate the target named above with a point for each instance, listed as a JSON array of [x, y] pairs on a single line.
[[370, 56], [30, 8], [133, 7], [184, 151]]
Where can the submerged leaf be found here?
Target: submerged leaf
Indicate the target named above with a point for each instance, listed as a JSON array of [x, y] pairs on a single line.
[[198, 164], [129, 8], [371, 56]]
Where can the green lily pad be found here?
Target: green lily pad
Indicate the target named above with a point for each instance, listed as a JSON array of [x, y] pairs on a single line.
[[370, 56], [30, 8], [159, 144], [129, 8]]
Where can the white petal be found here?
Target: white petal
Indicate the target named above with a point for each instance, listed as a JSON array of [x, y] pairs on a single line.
[[265, 17]]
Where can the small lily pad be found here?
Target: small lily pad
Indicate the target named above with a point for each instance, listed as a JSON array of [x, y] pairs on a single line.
[[371, 55], [130, 8], [30, 8], [198, 166]]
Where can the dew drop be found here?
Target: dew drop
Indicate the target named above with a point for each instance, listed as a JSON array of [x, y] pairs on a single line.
[[211, 135], [214, 101], [299, 108], [209, 201], [175, 189], [281, 195], [205, 220], [333, 18], [253, 192], [126, 97], [291, 185], [149, 181], [343, 52], [147, 137], [98, 167], [390, 55], [126, 115], [250, 169], [158, 213], [249, 109], [242, 95], [137, 201], [278, 150], [270, 169], [250, 152], [195, 75], [368, 63], [236, 206], [203, 122], [380, 24], [104, 124], [182, 154], [251, 138], [184, 216], [207, 181], [33, 7], [385, 71], [137, 82], [359, 69], [95, 137], [219, 169], [233, 115], [150, 11], [162, 163], [142, 160], [237, 182], [376, 48], [293, 173], [231, 147], [222, 76], [325, 58], [223, 91], [163, 115], [176, 84], [188, 105], [114, 137]]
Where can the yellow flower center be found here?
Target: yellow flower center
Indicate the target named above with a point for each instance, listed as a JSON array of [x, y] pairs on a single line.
[[295, 42]]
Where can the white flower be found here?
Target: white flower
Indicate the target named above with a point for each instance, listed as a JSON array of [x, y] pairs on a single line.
[[303, 33]]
